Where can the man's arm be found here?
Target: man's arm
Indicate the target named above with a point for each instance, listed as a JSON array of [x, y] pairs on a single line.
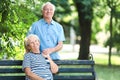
[[54, 49], [58, 47]]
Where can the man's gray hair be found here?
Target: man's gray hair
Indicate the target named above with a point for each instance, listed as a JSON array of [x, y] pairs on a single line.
[[48, 3]]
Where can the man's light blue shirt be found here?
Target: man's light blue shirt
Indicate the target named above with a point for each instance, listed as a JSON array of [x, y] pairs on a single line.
[[49, 35]]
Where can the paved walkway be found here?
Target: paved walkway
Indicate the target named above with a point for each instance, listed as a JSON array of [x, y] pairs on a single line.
[[71, 52]]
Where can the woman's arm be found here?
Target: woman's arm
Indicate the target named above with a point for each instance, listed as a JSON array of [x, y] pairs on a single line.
[[53, 66], [31, 75]]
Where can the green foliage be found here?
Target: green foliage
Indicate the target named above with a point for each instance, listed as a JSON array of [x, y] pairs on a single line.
[[14, 26], [62, 7], [86, 8], [100, 8], [115, 38]]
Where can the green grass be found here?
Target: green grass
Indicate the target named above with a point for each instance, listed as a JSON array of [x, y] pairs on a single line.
[[103, 71], [103, 59], [107, 73]]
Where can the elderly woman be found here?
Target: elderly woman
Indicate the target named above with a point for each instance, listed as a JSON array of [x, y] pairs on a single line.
[[36, 65]]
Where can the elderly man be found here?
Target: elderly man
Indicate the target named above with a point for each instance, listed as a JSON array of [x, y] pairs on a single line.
[[50, 32]]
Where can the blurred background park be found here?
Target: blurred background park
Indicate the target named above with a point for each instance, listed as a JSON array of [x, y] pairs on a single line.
[[90, 26]]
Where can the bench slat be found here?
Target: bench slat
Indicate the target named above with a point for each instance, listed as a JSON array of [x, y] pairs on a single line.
[[10, 62], [61, 70], [55, 77], [12, 77], [15, 70], [75, 70], [74, 78], [59, 62], [74, 62]]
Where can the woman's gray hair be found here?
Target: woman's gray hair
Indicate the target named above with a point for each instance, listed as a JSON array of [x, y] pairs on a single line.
[[48, 3], [26, 42]]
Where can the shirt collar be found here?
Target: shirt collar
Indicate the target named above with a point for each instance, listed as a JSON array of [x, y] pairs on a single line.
[[52, 22]]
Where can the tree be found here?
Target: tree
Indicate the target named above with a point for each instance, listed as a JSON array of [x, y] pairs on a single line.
[[14, 23], [85, 14], [112, 4]]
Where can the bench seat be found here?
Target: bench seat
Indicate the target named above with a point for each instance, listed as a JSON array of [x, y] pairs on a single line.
[[68, 70]]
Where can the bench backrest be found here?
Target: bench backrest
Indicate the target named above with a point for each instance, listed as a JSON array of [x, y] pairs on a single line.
[[68, 70]]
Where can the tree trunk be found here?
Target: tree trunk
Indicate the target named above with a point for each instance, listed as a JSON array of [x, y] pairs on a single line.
[[110, 45], [85, 20]]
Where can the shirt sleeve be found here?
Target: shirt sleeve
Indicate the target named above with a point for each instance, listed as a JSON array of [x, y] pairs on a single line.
[[26, 61], [61, 34], [31, 29]]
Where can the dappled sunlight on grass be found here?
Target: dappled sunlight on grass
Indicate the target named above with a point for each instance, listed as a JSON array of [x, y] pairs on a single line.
[[115, 59], [103, 59]]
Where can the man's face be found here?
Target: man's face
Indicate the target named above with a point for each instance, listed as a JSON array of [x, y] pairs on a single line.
[[48, 11]]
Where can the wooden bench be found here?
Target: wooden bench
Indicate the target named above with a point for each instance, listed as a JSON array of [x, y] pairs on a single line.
[[68, 70]]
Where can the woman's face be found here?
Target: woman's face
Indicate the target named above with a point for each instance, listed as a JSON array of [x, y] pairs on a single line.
[[48, 11], [34, 44]]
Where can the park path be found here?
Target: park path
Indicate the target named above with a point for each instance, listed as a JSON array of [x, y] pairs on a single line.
[[71, 52]]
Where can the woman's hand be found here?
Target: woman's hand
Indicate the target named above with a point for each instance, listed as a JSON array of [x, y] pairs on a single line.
[[46, 55], [48, 51]]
